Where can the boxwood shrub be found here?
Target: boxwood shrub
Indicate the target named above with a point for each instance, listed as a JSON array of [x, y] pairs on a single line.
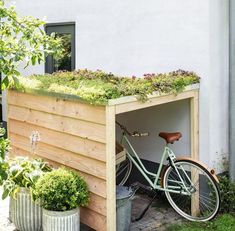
[[61, 190], [97, 87]]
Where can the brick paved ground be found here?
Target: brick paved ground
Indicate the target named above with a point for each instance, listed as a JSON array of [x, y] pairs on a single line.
[[157, 217]]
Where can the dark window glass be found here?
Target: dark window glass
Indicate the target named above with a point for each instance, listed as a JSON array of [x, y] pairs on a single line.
[[67, 62]]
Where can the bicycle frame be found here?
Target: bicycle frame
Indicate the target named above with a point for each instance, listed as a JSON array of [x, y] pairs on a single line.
[[167, 153]]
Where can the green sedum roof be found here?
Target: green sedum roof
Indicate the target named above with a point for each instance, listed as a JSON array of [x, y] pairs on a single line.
[[97, 87]]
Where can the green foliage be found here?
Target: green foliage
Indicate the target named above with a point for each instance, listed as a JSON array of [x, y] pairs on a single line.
[[98, 87], [4, 148], [22, 41], [61, 190], [225, 222], [227, 190], [23, 172]]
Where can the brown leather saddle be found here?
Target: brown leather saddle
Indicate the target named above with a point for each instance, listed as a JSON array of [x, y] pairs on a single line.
[[170, 137]]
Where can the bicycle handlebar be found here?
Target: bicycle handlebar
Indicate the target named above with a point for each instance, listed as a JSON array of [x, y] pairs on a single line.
[[133, 134]]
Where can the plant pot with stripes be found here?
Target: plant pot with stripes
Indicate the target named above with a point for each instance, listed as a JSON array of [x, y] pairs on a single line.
[[26, 214], [22, 175], [61, 221], [61, 193]]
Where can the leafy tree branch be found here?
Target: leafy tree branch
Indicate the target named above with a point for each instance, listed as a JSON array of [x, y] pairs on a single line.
[[22, 40]]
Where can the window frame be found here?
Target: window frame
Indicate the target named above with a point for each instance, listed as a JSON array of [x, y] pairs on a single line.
[[61, 28]]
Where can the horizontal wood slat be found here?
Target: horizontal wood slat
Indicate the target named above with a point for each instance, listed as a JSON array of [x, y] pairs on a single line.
[[97, 203], [135, 105], [88, 148], [94, 220], [96, 185], [67, 158], [81, 128], [72, 134], [58, 106]]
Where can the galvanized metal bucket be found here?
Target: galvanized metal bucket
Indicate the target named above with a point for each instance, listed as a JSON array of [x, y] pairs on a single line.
[[61, 221], [123, 207], [25, 214]]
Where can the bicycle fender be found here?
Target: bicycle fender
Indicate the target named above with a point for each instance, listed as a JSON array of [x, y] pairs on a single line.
[[211, 171]]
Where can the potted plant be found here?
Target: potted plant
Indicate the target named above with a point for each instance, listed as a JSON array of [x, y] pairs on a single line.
[[61, 193], [22, 175]]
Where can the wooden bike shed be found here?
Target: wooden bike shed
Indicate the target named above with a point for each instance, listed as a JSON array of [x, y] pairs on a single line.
[[82, 137]]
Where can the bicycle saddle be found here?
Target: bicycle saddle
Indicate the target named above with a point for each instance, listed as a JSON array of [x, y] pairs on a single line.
[[170, 137]]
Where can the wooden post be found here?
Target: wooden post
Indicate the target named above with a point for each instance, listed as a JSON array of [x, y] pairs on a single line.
[[194, 107], [110, 168]]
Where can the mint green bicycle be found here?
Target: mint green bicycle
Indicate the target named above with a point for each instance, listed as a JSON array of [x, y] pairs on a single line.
[[190, 187]]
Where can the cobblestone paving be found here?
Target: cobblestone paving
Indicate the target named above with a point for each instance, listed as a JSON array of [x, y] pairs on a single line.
[[158, 217]]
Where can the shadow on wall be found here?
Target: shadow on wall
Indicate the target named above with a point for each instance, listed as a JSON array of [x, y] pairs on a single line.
[[170, 117]]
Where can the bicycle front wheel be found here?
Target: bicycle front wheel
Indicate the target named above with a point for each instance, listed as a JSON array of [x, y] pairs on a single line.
[[198, 196], [123, 171]]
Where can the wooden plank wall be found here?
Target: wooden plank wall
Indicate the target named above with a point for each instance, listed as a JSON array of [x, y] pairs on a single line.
[[72, 134]]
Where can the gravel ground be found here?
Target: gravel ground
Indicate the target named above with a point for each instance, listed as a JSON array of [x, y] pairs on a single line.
[[5, 224]]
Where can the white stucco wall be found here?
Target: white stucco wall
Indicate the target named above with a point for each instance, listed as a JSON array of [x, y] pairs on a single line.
[[136, 36]]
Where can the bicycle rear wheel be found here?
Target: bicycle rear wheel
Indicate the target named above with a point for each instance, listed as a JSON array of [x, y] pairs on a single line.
[[201, 200], [123, 171]]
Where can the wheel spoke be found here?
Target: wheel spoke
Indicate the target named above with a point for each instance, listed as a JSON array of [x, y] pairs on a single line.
[[202, 187], [208, 198], [123, 171], [207, 206]]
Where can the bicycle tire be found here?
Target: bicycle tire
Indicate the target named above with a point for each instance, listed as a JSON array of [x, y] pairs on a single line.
[[123, 171], [208, 194]]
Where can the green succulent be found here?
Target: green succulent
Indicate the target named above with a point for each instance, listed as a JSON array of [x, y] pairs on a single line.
[[97, 87]]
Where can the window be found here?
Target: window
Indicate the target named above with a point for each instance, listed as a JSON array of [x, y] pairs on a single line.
[[66, 31]]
